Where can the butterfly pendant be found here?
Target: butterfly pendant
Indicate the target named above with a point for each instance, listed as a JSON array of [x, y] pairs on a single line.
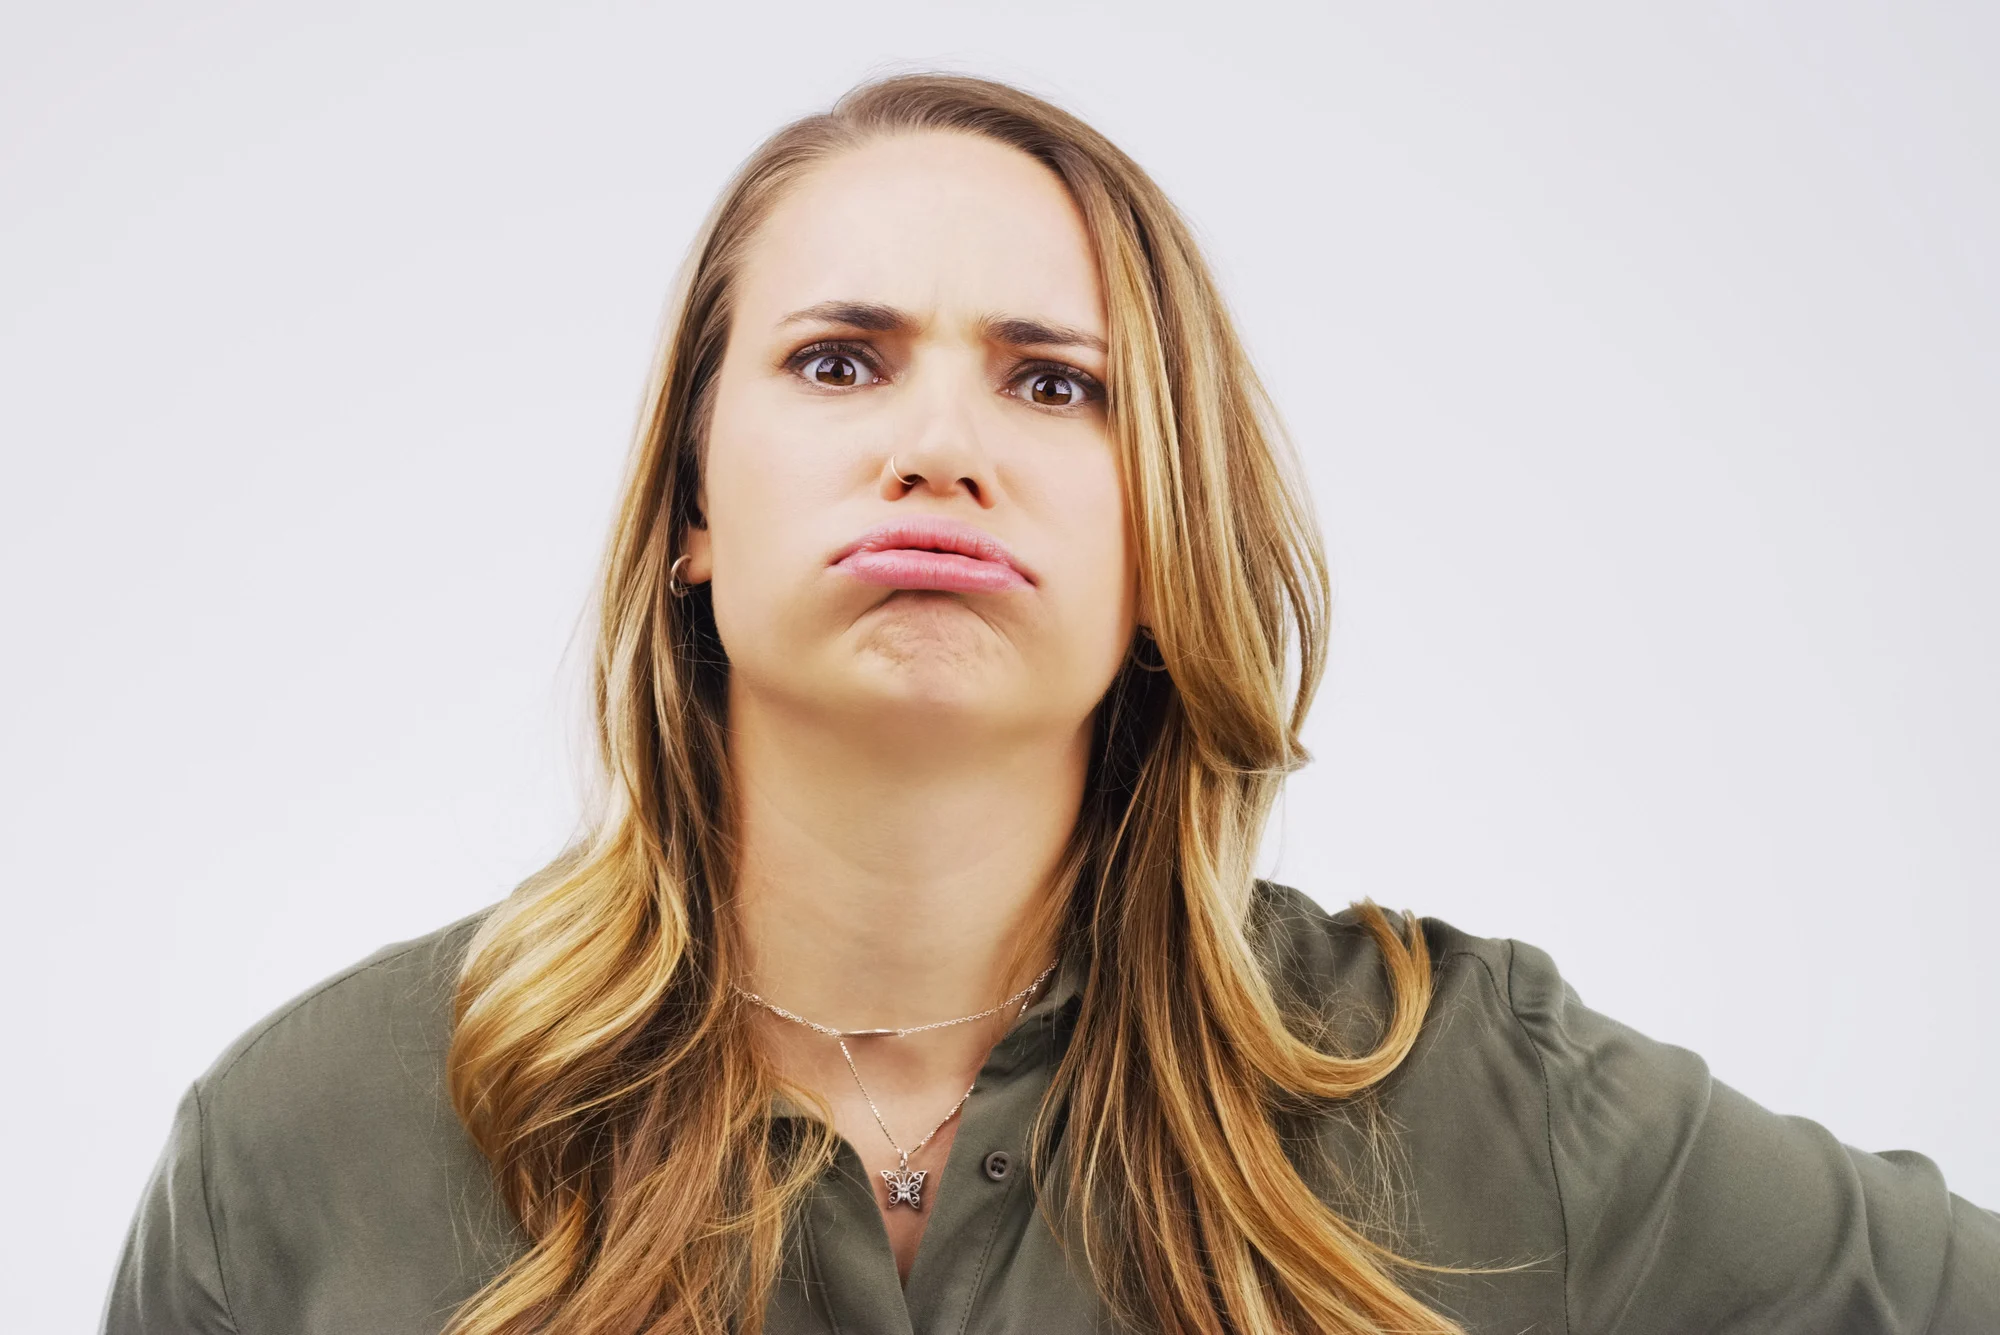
[[904, 1186]]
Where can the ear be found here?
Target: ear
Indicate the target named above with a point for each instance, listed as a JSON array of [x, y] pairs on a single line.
[[695, 542]]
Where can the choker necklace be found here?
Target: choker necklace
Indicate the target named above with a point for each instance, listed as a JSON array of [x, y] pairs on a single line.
[[905, 1185]]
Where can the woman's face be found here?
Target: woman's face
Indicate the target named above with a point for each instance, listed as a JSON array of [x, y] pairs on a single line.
[[931, 297]]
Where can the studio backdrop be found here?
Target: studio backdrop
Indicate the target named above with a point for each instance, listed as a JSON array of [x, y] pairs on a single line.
[[1642, 364]]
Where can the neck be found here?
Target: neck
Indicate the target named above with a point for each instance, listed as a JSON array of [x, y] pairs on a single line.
[[893, 881]]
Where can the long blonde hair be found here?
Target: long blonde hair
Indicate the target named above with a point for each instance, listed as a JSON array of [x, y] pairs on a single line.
[[599, 1060]]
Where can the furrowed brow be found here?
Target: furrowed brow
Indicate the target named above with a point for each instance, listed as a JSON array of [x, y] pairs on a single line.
[[870, 315], [1018, 332], [1010, 330]]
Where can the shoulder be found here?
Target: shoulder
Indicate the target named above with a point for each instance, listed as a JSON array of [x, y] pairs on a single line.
[[1476, 1094], [1325, 958], [343, 1012], [357, 1056], [1468, 1177], [1652, 1196], [1497, 1003], [317, 1176]]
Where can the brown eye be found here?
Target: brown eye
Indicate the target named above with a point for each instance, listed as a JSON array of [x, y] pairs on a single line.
[[1059, 386], [834, 368], [1056, 390]]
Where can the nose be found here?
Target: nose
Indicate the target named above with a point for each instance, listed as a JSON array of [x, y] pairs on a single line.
[[938, 446]]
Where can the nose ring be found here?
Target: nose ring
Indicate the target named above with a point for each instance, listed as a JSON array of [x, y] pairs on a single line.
[[897, 471]]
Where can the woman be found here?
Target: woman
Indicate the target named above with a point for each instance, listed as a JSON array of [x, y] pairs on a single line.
[[912, 974]]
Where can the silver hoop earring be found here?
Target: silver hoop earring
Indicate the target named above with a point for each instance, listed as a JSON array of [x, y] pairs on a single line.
[[1145, 636], [674, 584], [898, 472]]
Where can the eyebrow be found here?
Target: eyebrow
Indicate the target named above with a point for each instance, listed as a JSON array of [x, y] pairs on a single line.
[[1011, 330]]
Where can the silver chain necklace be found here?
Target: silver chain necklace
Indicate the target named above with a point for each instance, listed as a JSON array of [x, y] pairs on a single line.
[[905, 1185]]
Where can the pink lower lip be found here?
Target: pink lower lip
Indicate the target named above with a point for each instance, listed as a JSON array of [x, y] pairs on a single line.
[[912, 568]]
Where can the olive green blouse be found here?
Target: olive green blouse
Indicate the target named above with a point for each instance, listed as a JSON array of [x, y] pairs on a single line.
[[316, 1180]]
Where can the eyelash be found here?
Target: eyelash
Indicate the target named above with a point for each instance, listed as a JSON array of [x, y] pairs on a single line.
[[1093, 389]]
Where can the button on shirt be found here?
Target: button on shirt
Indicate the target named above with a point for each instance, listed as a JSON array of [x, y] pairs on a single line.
[[315, 1178], [986, 1262]]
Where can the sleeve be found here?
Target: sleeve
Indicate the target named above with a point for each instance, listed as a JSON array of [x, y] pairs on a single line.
[[169, 1276], [1688, 1207]]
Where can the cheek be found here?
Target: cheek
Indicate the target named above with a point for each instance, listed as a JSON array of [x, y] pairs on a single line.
[[1103, 515], [752, 462], [746, 438], [777, 449], [1099, 555], [769, 483]]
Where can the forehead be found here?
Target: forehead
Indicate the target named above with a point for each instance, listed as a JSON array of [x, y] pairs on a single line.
[[944, 223]]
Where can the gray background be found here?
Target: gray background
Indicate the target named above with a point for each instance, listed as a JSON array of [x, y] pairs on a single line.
[[1644, 363]]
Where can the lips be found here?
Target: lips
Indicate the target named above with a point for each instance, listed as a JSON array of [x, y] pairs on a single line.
[[932, 552]]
